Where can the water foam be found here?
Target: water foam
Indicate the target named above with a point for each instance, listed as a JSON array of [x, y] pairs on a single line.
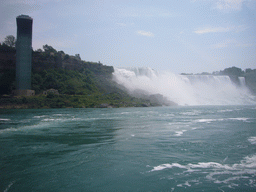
[[179, 133], [9, 186], [7, 130], [217, 172], [212, 120], [184, 89], [239, 119], [207, 120], [4, 119], [252, 140]]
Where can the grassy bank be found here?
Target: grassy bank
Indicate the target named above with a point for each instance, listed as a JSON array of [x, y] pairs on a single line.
[[112, 100]]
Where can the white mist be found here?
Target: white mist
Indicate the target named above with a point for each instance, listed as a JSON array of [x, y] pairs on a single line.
[[185, 90]]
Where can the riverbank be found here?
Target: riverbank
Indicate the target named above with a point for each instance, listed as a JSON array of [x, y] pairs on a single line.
[[112, 100]]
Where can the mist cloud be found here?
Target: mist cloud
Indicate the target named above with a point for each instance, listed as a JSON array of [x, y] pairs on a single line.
[[145, 33]]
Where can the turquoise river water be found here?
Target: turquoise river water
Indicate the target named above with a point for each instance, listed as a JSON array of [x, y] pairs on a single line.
[[188, 148]]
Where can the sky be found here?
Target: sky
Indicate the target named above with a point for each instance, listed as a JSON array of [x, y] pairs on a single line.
[[180, 36]]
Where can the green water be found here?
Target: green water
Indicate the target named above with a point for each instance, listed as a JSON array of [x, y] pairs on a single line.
[[207, 148]]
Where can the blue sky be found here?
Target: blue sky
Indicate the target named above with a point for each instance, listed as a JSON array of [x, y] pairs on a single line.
[[190, 36]]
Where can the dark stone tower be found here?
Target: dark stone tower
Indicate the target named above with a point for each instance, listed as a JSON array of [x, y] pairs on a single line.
[[24, 55]]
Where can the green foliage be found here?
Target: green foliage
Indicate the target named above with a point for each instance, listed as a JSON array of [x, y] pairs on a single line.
[[66, 57], [250, 79], [77, 56], [6, 48], [39, 50], [51, 95], [78, 77], [37, 82], [7, 81], [233, 71], [65, 81]]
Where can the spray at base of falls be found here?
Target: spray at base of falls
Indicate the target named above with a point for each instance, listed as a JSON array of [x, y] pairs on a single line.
[[184, 89]]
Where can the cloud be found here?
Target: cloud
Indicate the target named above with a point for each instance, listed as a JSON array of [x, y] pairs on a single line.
[[221, 29], [230, 4], [212, 30], [145, 33]]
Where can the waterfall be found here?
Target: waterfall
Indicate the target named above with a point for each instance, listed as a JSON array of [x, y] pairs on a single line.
[[184, 89], [242, 81]]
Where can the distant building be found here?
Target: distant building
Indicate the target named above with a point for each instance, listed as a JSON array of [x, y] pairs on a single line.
[[53, 91], [24, 55]]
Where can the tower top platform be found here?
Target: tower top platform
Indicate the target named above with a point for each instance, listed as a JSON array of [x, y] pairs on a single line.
[[24, 17]]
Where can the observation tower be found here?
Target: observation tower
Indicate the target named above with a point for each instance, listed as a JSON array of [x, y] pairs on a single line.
[[24, 56]]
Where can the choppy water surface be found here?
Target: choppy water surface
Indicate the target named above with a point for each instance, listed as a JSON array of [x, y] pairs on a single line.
[[209, 148]]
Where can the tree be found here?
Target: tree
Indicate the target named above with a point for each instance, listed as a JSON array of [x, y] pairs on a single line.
[[248, 70], [77, 56], [232, 71], [49, 49], [10, 41], [39, 50], [7, 81]]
